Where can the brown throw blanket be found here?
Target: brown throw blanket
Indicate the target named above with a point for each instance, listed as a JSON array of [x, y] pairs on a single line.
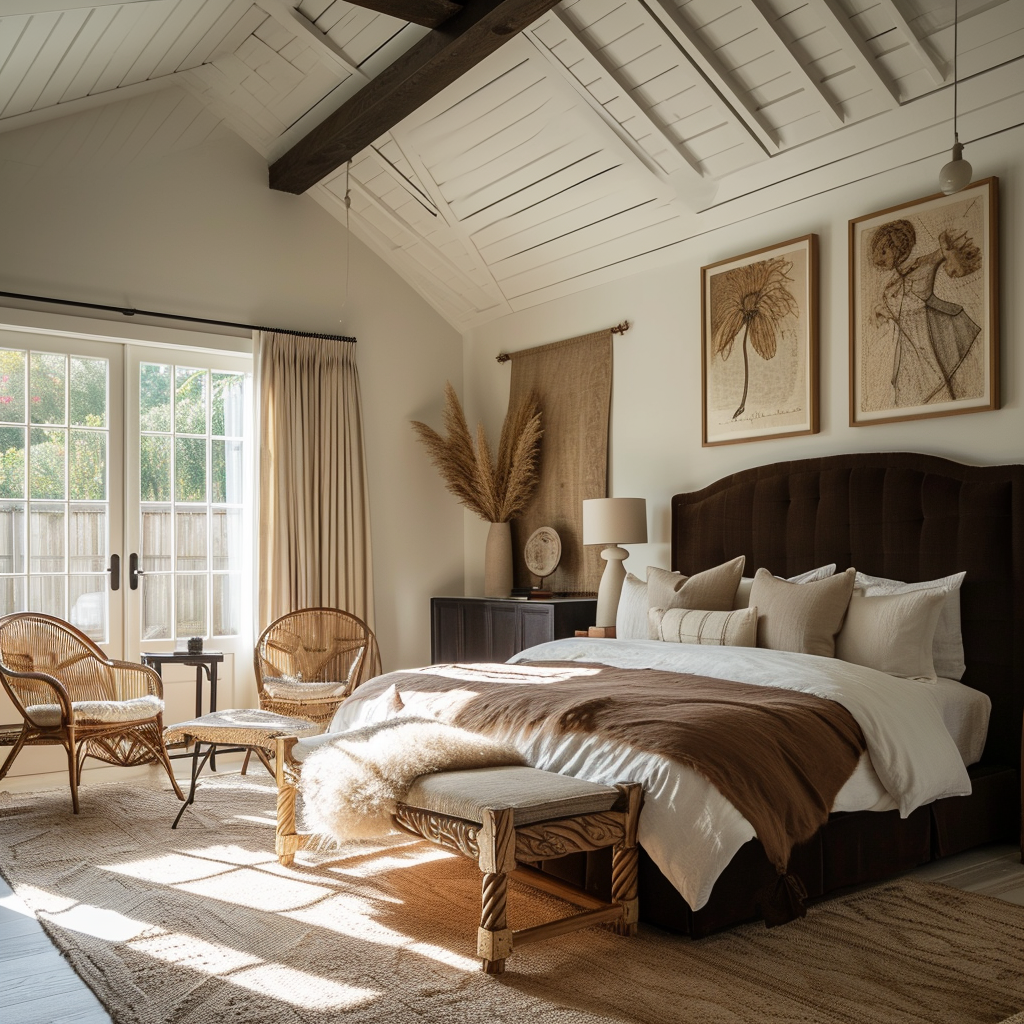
[[779, 756]]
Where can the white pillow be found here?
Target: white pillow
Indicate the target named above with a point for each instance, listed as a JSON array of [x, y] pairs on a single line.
[[690, 626], [811, 576], [948, 644], [631, 614], [892, 632]]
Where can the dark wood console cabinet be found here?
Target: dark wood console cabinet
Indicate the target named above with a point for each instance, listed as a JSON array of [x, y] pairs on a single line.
[[493, 628]]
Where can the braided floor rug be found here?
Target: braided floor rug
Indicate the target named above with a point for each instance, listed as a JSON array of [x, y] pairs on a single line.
[[203, 926]]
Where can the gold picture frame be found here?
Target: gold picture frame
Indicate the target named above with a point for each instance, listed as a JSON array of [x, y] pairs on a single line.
[[924, 308], [759, 344]]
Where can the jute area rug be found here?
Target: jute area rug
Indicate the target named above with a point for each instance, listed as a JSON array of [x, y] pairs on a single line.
[[203, 925]]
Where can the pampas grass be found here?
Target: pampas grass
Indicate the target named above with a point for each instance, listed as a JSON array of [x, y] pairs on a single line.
[[496, 490]]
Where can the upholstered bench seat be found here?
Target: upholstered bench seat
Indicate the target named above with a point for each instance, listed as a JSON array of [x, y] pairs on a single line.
[[531, 794], [509, 816]]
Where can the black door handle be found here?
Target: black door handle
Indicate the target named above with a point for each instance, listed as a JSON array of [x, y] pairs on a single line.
[[115, 572], [134, 572]]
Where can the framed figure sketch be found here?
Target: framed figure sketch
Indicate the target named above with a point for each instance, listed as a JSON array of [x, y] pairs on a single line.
[[759, 344], [924, 308]]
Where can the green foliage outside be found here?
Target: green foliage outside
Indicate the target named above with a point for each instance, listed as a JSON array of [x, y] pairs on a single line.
[[41, 408], [86, 459]]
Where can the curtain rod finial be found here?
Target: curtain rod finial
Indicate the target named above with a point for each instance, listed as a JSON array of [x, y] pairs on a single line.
[[502, 357]]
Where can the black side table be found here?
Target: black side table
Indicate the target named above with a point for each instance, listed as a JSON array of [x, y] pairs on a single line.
[[205, 662]]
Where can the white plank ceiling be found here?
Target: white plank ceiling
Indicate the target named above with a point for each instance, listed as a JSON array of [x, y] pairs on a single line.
[[585, 149]]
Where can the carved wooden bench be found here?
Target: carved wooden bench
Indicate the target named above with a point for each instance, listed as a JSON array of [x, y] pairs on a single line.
[[506, 819]]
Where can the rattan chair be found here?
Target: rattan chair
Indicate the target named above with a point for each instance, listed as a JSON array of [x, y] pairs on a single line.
[[307, 662], [69, 693]]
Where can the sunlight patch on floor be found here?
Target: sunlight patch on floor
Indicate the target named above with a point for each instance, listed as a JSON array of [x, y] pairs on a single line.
[[108, 925], [15, 905], [293, 987], [170, 868], [358, 919], [246, 887], [234, 966], [387, 863]]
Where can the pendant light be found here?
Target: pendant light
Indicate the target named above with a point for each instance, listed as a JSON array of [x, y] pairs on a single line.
[[957, 173]]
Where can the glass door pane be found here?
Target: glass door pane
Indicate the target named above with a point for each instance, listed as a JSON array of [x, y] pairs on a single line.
[[188, 481], [61, 431]]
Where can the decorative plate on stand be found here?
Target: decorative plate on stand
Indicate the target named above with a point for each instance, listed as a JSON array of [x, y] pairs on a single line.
[[542, 553]]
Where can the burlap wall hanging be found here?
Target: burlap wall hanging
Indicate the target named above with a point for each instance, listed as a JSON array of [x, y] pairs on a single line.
[[573, 380]]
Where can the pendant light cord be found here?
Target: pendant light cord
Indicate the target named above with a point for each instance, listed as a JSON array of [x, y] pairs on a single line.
[[348, 231], [956, 23]]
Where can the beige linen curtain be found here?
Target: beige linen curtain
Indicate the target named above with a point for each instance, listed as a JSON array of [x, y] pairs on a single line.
[[573, 379], [314, 514]]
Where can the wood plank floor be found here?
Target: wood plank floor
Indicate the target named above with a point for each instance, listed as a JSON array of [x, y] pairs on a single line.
[[40, 987]]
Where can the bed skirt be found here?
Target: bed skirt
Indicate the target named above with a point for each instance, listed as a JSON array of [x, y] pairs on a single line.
[[850, 849]]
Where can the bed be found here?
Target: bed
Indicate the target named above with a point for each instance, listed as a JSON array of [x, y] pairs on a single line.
[[896, 515]]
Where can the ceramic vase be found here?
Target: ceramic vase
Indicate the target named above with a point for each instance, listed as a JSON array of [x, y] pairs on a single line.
[[498, 561]]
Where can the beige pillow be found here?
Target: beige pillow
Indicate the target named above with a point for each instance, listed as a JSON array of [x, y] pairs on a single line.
[[691, 626], [712, 590], [893, 633], [801, 617], [948, 645], [743, 590]]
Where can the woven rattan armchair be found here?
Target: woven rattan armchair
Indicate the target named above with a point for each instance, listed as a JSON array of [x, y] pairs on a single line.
[[68, 692], [307, 662]]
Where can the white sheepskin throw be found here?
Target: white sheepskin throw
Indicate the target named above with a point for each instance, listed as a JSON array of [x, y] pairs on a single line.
[[351, 785]]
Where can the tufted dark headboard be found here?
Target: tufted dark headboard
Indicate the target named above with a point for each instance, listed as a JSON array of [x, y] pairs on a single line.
[[901, 515]]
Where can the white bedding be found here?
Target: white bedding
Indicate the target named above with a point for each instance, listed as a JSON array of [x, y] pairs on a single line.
[[919, 738]]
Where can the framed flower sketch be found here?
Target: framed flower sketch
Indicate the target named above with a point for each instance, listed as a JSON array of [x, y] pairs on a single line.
[[924, 308], [759, 352]]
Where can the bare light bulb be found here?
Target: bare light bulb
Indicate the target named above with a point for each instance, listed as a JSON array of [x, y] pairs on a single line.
[[957, 173]]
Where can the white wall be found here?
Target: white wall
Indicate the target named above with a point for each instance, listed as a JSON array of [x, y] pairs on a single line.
[[199, 232], [656, 403]]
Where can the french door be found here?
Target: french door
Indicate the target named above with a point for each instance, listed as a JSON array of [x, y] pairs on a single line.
[[61, 481], [125, 491], [188, 570]]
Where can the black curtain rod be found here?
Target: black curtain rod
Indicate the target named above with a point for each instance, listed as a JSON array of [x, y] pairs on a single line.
[[174, 316]]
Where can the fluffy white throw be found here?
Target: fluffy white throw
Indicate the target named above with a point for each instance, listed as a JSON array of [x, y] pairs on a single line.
[[351, 785]]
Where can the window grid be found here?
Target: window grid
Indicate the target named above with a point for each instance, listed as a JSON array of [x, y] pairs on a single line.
[[32, 577], [220, 590]]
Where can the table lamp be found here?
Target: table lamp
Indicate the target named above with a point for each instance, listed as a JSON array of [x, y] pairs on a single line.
[[613, 522]]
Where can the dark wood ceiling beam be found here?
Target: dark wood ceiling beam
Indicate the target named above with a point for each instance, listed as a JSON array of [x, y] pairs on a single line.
[[437, 60], [430, 13]]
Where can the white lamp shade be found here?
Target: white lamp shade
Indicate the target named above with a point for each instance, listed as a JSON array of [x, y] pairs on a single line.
[[615, 521]]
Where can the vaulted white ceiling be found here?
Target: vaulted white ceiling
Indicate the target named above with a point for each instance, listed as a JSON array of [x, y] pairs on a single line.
[[586, 148]]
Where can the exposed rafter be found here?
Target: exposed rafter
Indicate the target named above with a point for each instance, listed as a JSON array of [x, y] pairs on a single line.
[[429, 13], [762, 14], [857, 50], [286, 15], [679, 160], [705, 61], [436, 61], [937, 73]]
